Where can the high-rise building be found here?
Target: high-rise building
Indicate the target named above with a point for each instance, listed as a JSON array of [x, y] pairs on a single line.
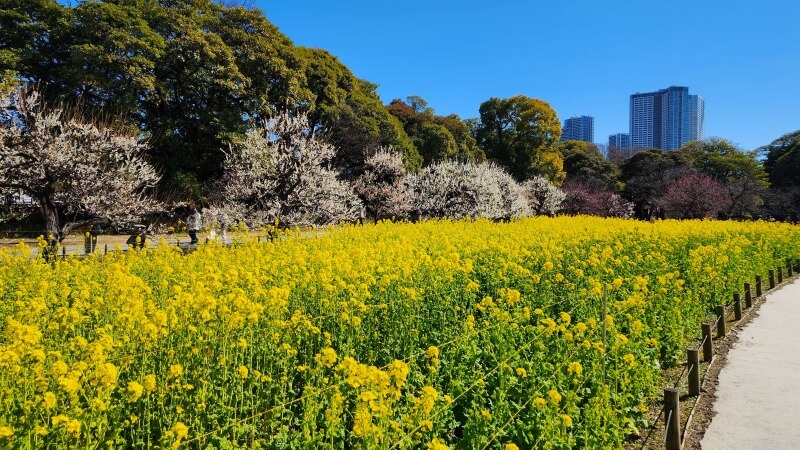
[[666, 119], [578, 129], [619, 140], [697, 111]]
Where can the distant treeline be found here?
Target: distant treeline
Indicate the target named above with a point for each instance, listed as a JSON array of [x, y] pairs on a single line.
[[193, 76]]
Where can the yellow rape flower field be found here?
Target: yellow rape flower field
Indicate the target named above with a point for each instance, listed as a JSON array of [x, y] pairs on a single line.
[[544, 333]]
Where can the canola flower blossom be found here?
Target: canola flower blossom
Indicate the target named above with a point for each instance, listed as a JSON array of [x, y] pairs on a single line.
[[366, 337]]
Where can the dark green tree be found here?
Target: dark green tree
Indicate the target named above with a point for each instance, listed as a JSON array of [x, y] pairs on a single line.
[[352, 112], [782, 160], [520, 133], [435, 143], [647, 175], [436, 137], [584, 164], [34, 38], [112, 58]]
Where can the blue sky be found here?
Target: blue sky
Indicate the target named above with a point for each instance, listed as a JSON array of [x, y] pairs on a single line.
[[584, 57]]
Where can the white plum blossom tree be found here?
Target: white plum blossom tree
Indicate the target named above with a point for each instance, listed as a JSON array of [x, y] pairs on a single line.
[[462, 189], [544, 198], [380, 187], [281, 170], [77, 173]]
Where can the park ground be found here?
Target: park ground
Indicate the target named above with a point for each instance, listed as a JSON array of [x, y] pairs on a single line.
[[758, 391]]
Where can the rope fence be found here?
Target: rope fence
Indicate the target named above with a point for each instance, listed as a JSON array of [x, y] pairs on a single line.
[[689, 377]]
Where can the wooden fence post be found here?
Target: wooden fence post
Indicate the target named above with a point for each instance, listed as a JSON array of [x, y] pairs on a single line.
[[780, 274], [672, 419], [789, 269], [106, 249], [708, 343], [772, 279], [748, 295], [737, 306], [759, 286], [63, 252], [693, 362], [720, 321]]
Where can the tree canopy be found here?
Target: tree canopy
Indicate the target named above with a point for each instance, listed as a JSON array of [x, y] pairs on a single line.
[[193, 76], [739, 172], [436, 137], [583, 163], [520, 133], [782, 160]]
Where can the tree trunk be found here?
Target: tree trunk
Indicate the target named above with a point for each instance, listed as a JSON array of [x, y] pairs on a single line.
[[51, 224]]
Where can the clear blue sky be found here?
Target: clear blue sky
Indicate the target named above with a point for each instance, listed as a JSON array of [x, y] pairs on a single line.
[[584, 57]]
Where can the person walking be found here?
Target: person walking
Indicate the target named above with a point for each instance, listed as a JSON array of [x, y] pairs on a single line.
[[193, 223]]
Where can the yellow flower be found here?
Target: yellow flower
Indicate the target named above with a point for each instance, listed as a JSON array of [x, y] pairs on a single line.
[[629, 359], [328, 357], [179, 431], [6, 432], [150, 382], [521, 372], [69, 385], [432, 352], [135, 391], [575, 368], [486, 414], [59, 368], [511, 446], [71, 426], [566, 420], [175, 371], [539, 403], [426, 425], [398, 371], [242, 372], [50, 400], [554, 396], [436, 444]]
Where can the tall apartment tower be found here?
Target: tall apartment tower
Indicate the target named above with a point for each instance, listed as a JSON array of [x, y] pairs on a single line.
[[666, 119], [578, 129], [697, 112], [619, 140]]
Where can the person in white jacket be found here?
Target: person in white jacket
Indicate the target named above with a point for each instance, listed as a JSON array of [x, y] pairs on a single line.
[[193, 223]]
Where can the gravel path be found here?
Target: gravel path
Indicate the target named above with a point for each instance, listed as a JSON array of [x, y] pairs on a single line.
[[758, 396]]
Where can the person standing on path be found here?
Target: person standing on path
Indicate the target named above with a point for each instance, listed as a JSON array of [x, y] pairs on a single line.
[[193, 223]]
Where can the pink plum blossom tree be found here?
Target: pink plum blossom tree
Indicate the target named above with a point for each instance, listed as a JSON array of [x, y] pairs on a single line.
[[695, 197]]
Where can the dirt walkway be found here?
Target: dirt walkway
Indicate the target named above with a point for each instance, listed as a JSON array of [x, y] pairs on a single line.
[[758, 396]]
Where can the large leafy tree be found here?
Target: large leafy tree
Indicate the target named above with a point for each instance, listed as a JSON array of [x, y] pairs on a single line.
[[351, 111], [112, 57], [782, 160], [739, 172], [647, 175], [584, 164], [436, 137], [34, 40], [520, 133]]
